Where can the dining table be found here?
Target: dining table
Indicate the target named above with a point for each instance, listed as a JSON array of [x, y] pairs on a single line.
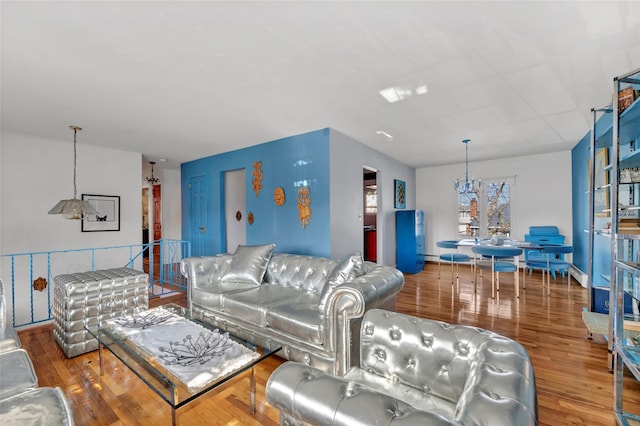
[[503, 242]]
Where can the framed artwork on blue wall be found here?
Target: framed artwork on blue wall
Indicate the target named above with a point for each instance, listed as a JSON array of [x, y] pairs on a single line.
[[400, 194]]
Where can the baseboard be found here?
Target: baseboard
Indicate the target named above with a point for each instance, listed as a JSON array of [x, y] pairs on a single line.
[[579, 276]]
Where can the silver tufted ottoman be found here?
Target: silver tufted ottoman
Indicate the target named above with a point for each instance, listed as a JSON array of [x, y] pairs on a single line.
[[90, 297], [413, 371]]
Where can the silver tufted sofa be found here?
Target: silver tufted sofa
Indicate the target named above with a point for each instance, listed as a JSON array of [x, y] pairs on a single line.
[[311, 306], [414, 371]]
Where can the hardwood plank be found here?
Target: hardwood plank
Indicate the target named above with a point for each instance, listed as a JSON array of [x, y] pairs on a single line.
[[573, 382]]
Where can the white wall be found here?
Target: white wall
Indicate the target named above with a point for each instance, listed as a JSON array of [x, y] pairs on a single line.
[[348, 157], [1, 272], [37, 173], [541, 195]]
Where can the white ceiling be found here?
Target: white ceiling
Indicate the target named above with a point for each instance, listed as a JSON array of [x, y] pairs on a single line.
[[184, 80]]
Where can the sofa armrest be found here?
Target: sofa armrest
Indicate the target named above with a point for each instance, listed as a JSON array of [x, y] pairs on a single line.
[[350, 301], [201, 270], [306, 395], [369, 290], [501, 387]]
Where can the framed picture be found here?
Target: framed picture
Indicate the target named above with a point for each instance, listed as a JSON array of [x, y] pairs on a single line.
[[108, 217], [601, 206], [401, 194]]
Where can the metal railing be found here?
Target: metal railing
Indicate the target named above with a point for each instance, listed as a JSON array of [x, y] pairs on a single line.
[[28, 277]]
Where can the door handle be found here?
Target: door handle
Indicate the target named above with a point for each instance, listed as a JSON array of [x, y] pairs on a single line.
[[203, 229]]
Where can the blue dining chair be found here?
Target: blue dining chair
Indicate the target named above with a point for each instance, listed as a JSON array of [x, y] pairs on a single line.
[[451, 255], [551, 261], [498, 259]]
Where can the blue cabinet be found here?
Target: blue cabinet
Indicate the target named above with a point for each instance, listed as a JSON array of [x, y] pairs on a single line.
[[410, 241]]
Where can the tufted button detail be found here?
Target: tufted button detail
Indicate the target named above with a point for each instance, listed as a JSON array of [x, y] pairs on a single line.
[[307, 359], [444, 369], [411, 362], [381, 354], [494, 395], [427, 340], [395, 412], [395, 334], [462, 348], [350, 389], [426, 389], [368, 330]]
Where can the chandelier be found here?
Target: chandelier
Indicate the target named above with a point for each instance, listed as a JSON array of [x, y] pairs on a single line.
[[73, 209], [468, 186], [152, 180]]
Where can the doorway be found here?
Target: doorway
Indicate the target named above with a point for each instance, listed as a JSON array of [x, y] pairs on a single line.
[[151, 222], [235, 209], [145, 221], [370, 213]]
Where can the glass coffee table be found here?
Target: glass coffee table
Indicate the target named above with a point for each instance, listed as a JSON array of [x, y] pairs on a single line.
[[171, 369]]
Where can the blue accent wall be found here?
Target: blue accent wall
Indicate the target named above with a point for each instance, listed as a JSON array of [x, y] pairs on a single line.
[[580, 156], [291, 163]]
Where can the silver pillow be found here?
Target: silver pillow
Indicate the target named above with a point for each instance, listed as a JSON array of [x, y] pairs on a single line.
[[349, 268], [249, 263]]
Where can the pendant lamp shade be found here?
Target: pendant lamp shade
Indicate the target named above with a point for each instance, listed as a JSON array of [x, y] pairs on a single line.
[[73, 209]]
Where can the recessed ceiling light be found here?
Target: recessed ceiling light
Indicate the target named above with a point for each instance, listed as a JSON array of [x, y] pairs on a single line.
[[395, 94], [421, 90]]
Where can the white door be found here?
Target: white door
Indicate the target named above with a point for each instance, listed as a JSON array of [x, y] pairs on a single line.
[[235, 209]]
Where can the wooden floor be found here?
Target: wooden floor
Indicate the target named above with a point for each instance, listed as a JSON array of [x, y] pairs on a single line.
[[573, 382]]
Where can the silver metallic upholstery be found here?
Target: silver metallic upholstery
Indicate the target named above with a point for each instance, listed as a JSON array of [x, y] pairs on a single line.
[[21, 401], [285, 308], [87, 298], [16, 372], [8, 337], [414, 371], [36, 406]]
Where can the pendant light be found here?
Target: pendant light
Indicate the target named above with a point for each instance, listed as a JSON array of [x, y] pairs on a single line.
[[73, 209], [152, 180], [469, 185]]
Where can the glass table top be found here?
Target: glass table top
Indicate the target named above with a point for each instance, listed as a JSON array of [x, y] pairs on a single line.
[[159, 374]]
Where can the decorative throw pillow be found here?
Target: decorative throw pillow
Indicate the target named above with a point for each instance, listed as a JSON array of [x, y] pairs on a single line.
[[249, 263], [349, 268]]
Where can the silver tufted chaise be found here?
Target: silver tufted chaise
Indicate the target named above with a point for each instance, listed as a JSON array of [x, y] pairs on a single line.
[[311, 306], [414, 371]]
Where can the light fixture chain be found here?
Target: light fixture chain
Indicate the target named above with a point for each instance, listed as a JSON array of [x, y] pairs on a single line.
[[75, 155]]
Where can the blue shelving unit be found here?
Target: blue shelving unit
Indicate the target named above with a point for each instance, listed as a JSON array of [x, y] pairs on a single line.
[[410, 241]]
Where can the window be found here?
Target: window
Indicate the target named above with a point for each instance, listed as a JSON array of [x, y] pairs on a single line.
[[468, 214], [486, 211], [498, 209]]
